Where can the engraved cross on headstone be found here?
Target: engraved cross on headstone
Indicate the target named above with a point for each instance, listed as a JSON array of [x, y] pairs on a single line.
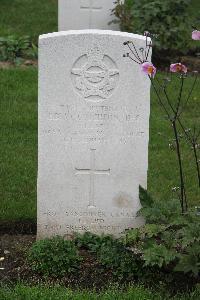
[[92, 172], [91, 6]]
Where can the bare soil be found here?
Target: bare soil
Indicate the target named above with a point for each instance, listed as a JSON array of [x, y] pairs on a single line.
[[14, 266], [13, 248], [24, 64]]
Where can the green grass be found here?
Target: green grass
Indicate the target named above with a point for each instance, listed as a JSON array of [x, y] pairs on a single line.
[[34, 17], [28, 17], [18, 140], [21, 292], [18, 150], [163, 169]]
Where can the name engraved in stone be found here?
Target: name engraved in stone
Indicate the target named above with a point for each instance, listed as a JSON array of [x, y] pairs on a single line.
[[97, 124], [94, 113]]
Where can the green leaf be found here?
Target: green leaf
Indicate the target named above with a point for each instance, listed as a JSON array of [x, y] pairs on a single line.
[[158, 255], [132, 236], [145, 199], [152, 230], [189, 263]]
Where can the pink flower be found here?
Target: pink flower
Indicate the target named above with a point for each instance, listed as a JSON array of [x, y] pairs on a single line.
[[196, 35], [178, 68], [149, 69]]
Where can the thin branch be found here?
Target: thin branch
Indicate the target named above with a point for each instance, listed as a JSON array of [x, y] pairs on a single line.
[[179, 97], [168, 101], [197, 163], [147, 54], [133, 60], [136, 56], [159, 99], [189, 95], [183, 193]]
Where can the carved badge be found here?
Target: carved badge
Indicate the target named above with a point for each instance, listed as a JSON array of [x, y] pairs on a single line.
[[95, 75]]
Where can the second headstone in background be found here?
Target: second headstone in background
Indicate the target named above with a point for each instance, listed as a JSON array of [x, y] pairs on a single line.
[[86, 14]]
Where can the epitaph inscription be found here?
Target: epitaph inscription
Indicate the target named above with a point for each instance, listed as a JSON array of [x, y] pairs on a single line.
[[95, 75]]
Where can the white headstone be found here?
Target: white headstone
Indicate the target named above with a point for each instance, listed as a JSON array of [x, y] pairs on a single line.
[[86, 14], [94, 110]]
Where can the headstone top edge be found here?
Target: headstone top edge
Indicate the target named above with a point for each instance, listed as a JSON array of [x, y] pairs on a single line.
[[92, 31]]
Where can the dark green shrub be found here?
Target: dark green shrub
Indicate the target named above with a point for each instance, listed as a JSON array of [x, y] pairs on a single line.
[[124, 15], [169, 19], [54, 257], [169, 239], [112, 254], [90, 241]]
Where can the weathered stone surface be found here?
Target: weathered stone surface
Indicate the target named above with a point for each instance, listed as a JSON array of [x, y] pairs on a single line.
[[86, 14], [94, 110]]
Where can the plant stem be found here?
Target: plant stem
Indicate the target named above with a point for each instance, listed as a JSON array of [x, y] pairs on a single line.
[[179, 98], [197, 163], [159, 98], [184, 206]]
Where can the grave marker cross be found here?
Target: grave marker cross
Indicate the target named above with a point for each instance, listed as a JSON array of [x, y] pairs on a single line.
[[92, 172], [91, 7]]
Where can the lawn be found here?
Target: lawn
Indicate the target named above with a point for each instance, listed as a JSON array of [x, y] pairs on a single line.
[[18, 140], [18, 151], [35, 17], [21, 292], [163, 169], [28, 17]]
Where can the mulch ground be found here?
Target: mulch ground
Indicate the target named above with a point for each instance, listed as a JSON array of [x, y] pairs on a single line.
[[17, 238], [14, 266], [13, 250], [24, 64]]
